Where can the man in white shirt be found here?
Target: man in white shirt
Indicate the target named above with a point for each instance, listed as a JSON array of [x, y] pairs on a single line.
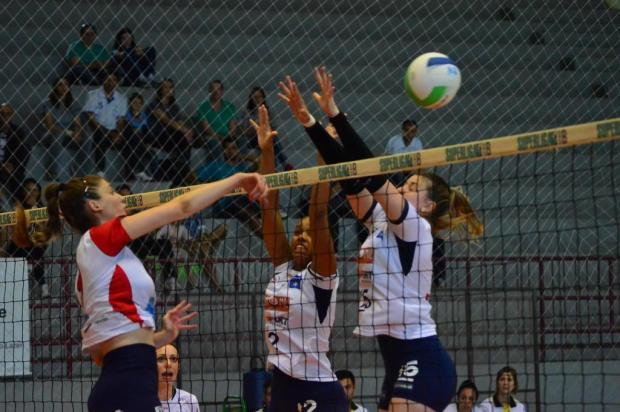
[[405, 143], [106, 109], [172, 398]]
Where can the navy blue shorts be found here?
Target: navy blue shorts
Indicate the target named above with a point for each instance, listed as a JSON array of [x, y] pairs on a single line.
[[128, 381], [419, 370], [287, 393]]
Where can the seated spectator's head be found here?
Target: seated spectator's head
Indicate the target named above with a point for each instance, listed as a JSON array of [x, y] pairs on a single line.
[[30, 193], [124, 39], [506, 382], [61, 93], [347, 380], [466, 396], [256, 98], [124, 190], [409, 128], [136, 102], [6, 113], [230, 149], [167, 364], [88, 34], [165, 91], [216, 90], [111, 81]]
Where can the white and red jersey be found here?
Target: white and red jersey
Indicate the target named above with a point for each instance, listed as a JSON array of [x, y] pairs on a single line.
[[300, 308], [113, 287], [395, 269]]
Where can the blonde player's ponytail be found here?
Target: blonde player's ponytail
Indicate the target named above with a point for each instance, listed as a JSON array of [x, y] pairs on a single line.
[[452, 210]]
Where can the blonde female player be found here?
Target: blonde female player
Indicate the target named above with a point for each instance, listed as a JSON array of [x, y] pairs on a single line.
[[395, 260], [113, 287], [300, 300]]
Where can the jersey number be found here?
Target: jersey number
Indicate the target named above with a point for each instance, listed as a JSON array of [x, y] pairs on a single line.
[[408, 371], [308, 406], [273, 339], [365, 301]]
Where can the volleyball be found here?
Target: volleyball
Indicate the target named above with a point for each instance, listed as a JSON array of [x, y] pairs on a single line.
[[432, 80]]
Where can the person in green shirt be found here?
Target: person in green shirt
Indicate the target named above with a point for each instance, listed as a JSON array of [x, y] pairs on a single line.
[[216, 117], [86, 60]]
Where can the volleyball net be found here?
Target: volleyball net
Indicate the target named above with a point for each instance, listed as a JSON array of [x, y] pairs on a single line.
[[539, 291]]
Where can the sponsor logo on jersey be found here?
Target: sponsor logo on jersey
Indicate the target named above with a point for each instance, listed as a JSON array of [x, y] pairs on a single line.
[[295, 282], [277, 303]]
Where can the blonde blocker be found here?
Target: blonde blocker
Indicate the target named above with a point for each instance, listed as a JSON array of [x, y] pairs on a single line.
[[452, 210], [68, 201]]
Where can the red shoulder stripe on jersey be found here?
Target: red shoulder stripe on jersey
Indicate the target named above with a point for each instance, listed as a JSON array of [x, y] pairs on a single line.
[[110, 237], [121, 298]]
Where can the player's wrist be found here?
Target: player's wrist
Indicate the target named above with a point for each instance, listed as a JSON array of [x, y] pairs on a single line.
[[310, 122]]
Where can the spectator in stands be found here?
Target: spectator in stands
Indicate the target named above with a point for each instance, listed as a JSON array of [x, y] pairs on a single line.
[[5, 202], [503, 400], [63, 142], [404, 143], [169, 134], [106, 109], [20, 246], [248, 144], [124, 190], [347, 380], [466, 398], [14, 152], [231, 206], [135, 64], [216, 117], [172, 399], [86, 60], [137, 154]]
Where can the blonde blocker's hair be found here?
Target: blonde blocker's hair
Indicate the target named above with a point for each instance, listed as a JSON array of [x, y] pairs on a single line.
[[67, 200], [452, 211]]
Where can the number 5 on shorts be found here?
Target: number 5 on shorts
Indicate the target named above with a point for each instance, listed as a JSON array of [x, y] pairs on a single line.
[[408, 371]]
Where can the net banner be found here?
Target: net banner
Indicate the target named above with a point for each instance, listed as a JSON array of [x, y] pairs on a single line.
[[14, 318]]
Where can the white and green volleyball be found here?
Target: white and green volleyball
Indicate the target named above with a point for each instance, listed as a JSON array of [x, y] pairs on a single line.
[[432, 80]]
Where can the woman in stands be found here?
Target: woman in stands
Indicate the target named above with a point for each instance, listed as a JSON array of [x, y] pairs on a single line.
[[466, 398], [249, 144], [503, 399], [113, 287], [300, 300], [29, 197], [395, 262]]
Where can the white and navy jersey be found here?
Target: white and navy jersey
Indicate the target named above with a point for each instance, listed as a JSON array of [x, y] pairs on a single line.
[[395, 272], [300, 308], [182, 401], [113, 287], [492, 405]]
